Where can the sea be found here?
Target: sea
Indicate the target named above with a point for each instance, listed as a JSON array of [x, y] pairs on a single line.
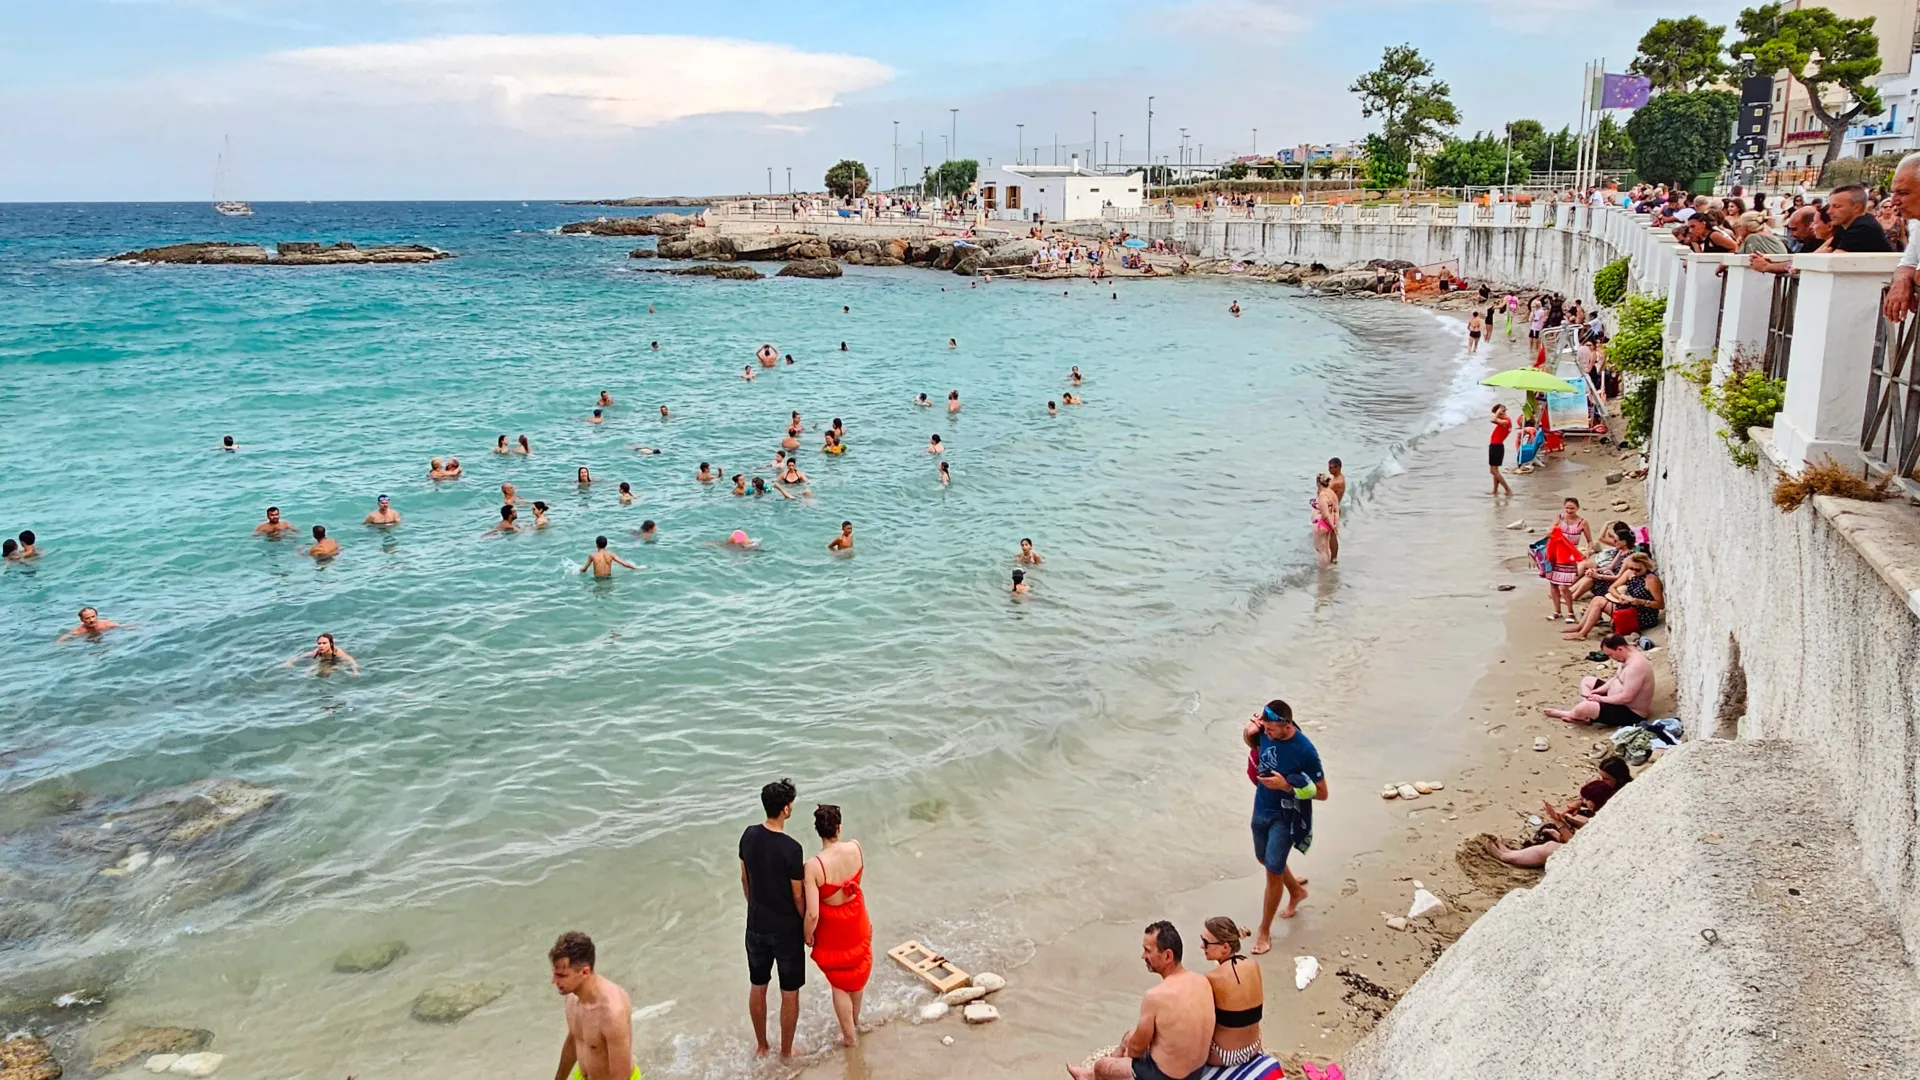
[[525, 749]]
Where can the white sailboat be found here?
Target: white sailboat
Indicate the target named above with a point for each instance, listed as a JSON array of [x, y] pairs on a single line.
[[226, 207]]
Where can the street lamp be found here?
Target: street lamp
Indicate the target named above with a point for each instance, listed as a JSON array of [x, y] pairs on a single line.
[[1091, 150], [1149, 184], [896, 153], [953, 143], [1020, 137], [789, 180], [769, 181]]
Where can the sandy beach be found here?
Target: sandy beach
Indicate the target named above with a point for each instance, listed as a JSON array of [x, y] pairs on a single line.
[[1421, 680]]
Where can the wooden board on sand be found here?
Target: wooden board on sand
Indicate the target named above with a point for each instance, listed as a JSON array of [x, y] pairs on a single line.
[[937, 970]]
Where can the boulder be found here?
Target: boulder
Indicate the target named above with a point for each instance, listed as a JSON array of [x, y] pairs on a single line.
[[692, 247], [196, 1064], [990, 982], [369, 957], [759, 245], [643, 253], [31, 804], [729, 273], [289, 253], [190, 813], [146, 1042], [895, 248], [646, 225], [811, 268], [811, 248], [447, 1004], [980, 1013], [24, 1057], [964, 995]]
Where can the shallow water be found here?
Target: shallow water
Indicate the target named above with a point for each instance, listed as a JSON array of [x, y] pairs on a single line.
[[529, 750]]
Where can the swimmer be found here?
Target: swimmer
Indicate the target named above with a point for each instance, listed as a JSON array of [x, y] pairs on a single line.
[[953, 401], [326, 654], [540, 515], [602, 560], [952, 344], [646, 451], [582, 476], [843, 346], [27, 548], [1072, 399], [626, 493], [791, 440], [740, 539], [509, 521], [843, 542], [663, 412], [1339, 479], [508, 496], [606, 400], [767, 355], [648, 532], [1074, 375], [706, 475], [596, 418], [500, 446], [746, 373], [273, 528], [383, 513], [739, 483], [1053, 409], [934, 445], [91, 625], [759, 488], [924, 402], [1235, 309], [227, 444], [832, 444], [435, 470], [793, 475], [838, 428], [789, 359], [655, 346], [525, 446], [453, 468], [650, 311], [1027, 554], [1020, 586], [1116, 296], [323, 546], [10, 549], [945, 475], [845, 310]]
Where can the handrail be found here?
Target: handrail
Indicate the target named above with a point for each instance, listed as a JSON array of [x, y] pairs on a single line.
[[1779, 347], [1890, 431]]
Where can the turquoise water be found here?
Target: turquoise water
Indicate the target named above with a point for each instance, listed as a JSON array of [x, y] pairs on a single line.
[[514, 718]]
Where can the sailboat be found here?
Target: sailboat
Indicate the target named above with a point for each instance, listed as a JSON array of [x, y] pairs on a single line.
[[226, 207]]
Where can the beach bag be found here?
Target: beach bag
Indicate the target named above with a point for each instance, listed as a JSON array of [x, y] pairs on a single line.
[[1537, 551], [1626, 620]]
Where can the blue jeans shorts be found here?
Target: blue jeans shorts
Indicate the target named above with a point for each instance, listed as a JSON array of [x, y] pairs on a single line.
[[1272, 840]]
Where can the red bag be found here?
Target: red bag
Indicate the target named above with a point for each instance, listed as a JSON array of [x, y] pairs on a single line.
[[1626, 619]]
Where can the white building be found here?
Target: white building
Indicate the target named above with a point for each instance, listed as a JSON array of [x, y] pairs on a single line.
[[1055, 192]]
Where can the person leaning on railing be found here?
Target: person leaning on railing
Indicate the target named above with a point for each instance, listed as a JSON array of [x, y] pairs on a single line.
[[1906, 198], [1803, 238]]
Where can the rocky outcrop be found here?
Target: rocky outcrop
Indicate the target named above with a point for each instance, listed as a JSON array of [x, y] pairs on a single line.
[[188, 814], [725, 273], [811, 248], [291, 253], [693, 247], [447, 1004], [761, 245], [24, 1057], [143, 1043], [811, 268], [647, 225]]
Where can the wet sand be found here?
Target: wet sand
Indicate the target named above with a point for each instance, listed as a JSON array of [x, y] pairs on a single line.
[[1421, 678]]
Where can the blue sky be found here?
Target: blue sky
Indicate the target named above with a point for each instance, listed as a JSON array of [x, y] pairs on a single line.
[[422, 99]]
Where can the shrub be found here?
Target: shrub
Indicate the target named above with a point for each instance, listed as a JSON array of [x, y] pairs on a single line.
[[1637, 406], [1637, 347], [1745, 399], [1610, 282], [1827, 478]]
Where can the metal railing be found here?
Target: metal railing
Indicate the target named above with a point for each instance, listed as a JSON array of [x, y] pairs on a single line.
[[1779, 346], [1890, 431]]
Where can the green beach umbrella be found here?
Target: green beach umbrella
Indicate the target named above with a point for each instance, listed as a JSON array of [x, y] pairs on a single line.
[[1527, 378]]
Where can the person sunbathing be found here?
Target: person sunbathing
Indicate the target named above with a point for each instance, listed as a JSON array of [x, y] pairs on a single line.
[[1633, 602], [1563, 822]]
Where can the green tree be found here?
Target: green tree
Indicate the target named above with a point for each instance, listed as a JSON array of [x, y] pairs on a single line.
[[848, 178], [1481, 161], [1415, 109], [953, 177], [1384, 169], [1681, 54], [1820, 50], [1681, 134], [1237, 171]]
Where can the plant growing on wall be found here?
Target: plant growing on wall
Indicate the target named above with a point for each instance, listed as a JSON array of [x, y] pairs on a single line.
[[1745, 399], [1610, 282], [1637, 351]]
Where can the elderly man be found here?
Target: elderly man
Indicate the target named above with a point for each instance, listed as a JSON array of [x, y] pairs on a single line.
[[1802, 240], [1906, 199]]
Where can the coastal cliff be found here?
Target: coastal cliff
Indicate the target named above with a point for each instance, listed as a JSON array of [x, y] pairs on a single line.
[[290, 253]]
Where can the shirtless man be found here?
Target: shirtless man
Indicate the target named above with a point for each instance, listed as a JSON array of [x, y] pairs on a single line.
[[599, 1044], [706, 475], [602, 560], [1339, 479], [91, 625], [1621, 701], [843, 542], [323, 546], [923, 401], [509, 521], [953, 401], [648, 532], [596, 418], [273, 528], [606, 400], [508, 496], [1053, 409], [227, 444], [1027, 554], [383, 513], [1176, 1020], [664, 414]]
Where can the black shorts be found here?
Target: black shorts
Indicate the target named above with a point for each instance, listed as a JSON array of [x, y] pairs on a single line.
[[1496, 454], [1144, 1068], [763, 950], [1474, 334], [1614, 714]]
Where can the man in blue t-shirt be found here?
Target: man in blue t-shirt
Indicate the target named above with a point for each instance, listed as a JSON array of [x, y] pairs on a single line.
[[1288, 780]]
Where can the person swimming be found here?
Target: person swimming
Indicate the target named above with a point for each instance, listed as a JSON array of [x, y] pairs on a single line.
[[663, 412], [779, 460], [767, 355], [272, 528], [838, 428], [227, 444], [843, 542], [793, 475], [383, 513], [647, 532], [791, 440], [739, 538], [833, 445], [739, 483], [953, 401], [626, 493], [844, 309], [453, 468], [1027, 554], [1020, 586], [706, 475], [789, 359], [934, 445], [952, 344], [525, 446], [655, 346], [507, 494], [596, 418], [924, 401], [746, 373], [1072, 399], [606, 399], [509, 521], [540, 515], [1234, 310], [500, 446], [602, 560], [843, 346], [582, 476], [323, 546], [945, 475], [1074, 375], [1053, 409], [326, 654]]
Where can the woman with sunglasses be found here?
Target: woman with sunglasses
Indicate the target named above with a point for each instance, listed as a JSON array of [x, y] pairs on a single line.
[[1238, 996]]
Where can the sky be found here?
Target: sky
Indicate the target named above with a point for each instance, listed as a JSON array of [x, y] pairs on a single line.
[[535, 99]]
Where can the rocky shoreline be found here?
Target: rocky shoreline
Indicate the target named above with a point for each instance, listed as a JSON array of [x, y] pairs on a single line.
[[286, 253]]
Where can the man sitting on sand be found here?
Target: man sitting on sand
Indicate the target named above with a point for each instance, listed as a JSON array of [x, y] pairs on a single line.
[[1176, 1020], [1622, 701]]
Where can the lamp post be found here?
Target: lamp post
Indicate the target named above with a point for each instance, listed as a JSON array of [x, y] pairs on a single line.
[[1020, 143], [789, 180], [953, 141], [1091, 150], [769, 181], [1183, 152], [896, 155], [1122, 156], [1149, 184]]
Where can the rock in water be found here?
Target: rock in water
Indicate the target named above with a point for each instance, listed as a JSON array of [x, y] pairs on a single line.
[[934, 1010], [190, 813], [1425, 905], [811, 268], [146, 1042], [369, 957], [980, 1012], [24, 1057], [990, 982], [446, 1004], [730, 273], [197, 1064], [964, 995]]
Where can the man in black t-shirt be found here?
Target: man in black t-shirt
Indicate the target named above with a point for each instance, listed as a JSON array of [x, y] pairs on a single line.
[[771, 869], [1853, 228]]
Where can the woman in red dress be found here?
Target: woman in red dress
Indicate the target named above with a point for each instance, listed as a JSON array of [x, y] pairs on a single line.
[[837, 926]]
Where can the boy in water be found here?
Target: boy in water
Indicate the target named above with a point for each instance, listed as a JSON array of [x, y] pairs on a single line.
[[843, 542], [602, 560]]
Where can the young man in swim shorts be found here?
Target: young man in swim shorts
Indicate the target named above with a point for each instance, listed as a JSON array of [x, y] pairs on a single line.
[[599, 1043]]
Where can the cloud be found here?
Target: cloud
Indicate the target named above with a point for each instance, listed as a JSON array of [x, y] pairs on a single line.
[[1265, 19], [576, 83]]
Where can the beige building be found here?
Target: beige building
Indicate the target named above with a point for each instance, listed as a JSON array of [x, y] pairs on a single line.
[[1795, 137]]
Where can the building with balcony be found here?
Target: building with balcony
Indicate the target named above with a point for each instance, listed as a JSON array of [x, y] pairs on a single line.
[[1795, 137]]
